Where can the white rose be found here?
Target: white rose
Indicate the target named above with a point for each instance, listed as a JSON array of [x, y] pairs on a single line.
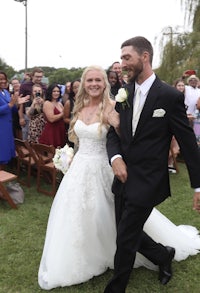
[[121, 96]]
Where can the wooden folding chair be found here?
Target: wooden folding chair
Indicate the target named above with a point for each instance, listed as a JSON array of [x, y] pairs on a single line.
[[45, 167], [24, 158], [6, 177]]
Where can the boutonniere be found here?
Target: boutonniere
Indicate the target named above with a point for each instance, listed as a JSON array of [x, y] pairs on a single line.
[[122, 97]]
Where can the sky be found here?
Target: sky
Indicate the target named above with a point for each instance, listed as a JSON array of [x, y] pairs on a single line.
[[79, 33]]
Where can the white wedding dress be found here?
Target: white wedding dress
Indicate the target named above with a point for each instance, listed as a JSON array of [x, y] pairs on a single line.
[[80, 237]]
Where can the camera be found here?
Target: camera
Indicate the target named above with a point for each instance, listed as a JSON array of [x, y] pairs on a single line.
[[38, 95]]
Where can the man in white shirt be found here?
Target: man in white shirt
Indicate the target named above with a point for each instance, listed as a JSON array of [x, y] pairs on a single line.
[[192, 94]]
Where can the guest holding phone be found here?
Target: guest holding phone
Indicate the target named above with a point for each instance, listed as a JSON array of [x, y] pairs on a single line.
[[35, 114]]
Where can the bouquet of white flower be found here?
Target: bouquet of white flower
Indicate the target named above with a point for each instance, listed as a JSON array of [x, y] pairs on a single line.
[[63, 158]]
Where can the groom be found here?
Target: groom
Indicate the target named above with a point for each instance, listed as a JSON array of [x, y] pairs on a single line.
[[139, 158]]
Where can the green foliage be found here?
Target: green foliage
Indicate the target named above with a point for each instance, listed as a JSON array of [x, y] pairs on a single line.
[[7, 69], [179, 54], [22, 234], [196, 20], [190, 6], [63, 75], [180, 51], [60, 75]]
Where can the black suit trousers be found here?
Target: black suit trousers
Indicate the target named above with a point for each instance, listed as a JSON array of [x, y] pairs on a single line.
[[130, 239]]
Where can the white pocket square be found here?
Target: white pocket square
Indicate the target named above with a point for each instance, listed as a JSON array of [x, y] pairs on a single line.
[[159, 113]]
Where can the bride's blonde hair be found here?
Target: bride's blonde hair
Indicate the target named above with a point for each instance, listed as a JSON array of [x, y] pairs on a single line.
[[82, 99]]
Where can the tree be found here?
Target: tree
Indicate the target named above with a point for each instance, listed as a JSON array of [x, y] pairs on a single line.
[[7, 69], [190, 7], [62, 75], [181, 50]]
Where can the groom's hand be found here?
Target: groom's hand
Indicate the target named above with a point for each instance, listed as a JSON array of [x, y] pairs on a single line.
[[196, 201], [119, 169]]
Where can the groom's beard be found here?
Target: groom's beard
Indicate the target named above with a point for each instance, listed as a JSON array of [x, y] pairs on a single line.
[[135, 71]]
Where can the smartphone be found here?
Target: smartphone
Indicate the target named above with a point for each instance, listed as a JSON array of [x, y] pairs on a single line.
[[11, 89]]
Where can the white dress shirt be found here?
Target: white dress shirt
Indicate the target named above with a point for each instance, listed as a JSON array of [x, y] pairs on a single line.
[[144, 89], [191, 97]]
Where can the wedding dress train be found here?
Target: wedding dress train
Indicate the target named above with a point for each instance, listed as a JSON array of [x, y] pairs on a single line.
[[80, 237]]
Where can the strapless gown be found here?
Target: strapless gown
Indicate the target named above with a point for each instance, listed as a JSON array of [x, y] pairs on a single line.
[[81, 234]]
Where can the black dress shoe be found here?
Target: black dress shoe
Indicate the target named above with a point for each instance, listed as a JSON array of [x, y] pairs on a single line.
[[165, 270]]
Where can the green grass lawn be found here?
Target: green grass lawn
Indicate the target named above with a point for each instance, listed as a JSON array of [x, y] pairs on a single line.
[[22, 235]]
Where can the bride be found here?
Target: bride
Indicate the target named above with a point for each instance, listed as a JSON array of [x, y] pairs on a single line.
[[81, 234]]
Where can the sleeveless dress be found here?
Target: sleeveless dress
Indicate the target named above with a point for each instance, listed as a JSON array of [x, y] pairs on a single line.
[[54, 133], [81, 233]]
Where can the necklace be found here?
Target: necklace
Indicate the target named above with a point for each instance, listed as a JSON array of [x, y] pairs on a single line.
[[90, 114]]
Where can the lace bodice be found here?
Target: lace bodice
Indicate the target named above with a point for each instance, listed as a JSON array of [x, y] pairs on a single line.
[[91, 140]]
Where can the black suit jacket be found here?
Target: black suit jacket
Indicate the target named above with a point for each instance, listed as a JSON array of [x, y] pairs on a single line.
[[146, 153]]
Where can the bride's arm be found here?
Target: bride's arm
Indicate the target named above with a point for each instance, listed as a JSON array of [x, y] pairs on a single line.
[[113, 116]]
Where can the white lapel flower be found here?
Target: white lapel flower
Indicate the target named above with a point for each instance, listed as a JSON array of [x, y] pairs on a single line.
[[122, 97], [63, 158]]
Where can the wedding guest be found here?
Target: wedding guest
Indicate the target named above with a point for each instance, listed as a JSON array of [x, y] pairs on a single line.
[[26, 77], [116, 66], [17, 130], [65, 96], [26, 89], [125, 77], [179, 85], [114, 82], [196, 122], [192, 99], [139, 158], [81, 232], [192, 94], [35, 114], [53, 132], [174, 147], [8, 104], [69, 105]]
